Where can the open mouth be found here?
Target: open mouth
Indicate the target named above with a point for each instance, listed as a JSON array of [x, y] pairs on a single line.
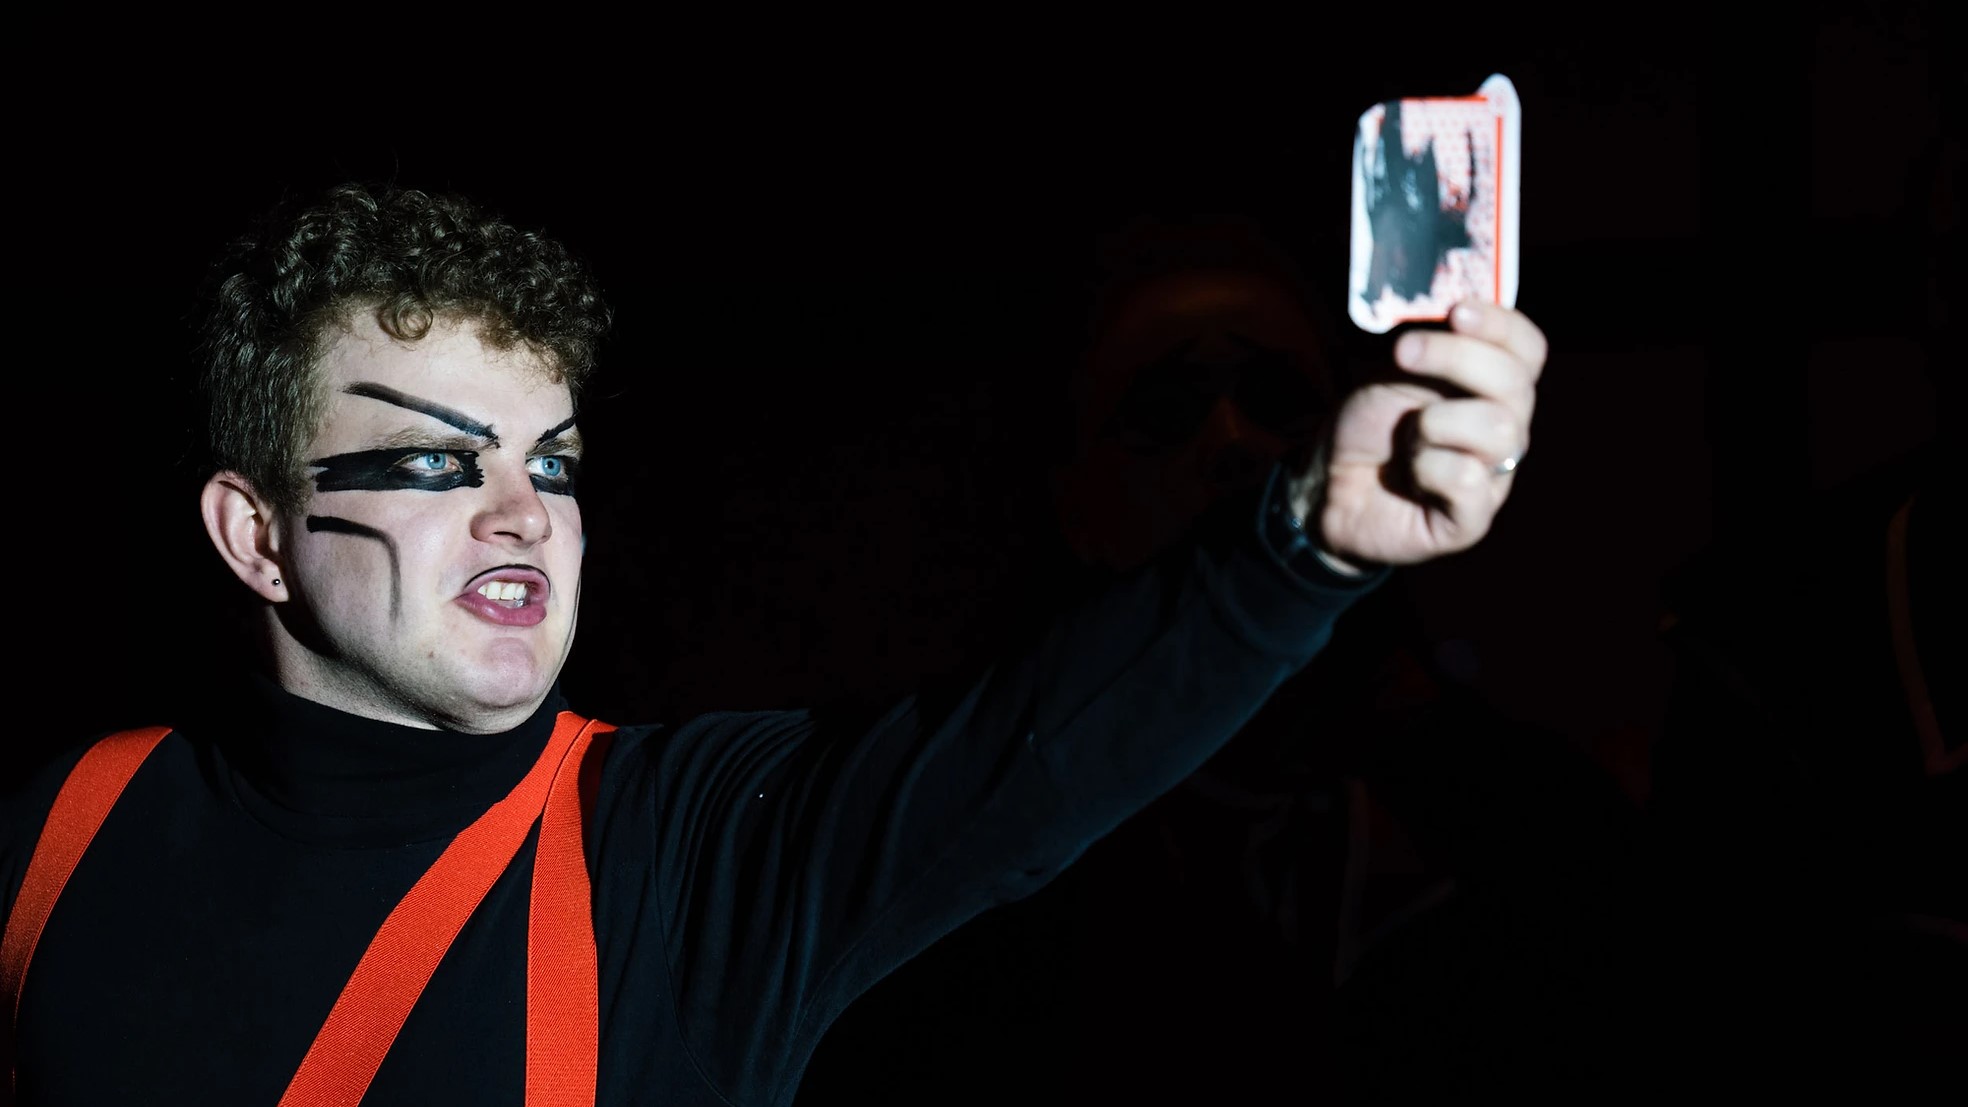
[[512, 595], [506, 593]]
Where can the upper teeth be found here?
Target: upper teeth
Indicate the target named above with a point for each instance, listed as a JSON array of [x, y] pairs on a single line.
[[502, 590]]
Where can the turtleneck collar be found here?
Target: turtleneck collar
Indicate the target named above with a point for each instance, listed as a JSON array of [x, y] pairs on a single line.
[[315, 774]]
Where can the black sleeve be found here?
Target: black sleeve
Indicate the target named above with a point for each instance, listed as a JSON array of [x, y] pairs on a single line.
[[800, 857]]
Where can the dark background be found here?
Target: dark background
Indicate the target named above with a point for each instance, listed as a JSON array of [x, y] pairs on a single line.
[[851, 284], [853, 267]]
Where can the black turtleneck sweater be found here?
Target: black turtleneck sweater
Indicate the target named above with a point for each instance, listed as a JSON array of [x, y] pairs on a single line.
[[752, 873]]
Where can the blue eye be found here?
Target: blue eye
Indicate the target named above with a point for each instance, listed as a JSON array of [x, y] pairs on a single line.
[[394, 467], [554, 473], [431, 463]]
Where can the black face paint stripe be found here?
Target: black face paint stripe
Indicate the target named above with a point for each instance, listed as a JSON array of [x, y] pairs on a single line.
[[554, 431], [329, 524], [383, 471], [439, 412]]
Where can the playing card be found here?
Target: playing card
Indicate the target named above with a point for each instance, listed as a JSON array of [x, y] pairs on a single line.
[[1434, 206]]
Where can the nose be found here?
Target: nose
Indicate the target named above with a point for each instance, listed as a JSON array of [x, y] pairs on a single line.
[[1234, 451], [512, 512]]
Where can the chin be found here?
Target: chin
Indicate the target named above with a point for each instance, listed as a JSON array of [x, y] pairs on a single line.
[[472, 713], [523, 690], [504, 687]]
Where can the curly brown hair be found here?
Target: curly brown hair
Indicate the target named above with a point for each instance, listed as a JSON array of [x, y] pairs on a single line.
[[408, 256]]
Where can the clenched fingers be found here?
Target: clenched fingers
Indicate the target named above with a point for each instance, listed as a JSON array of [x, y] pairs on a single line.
[[1466, 488], [1490, 431], [1492, 352]]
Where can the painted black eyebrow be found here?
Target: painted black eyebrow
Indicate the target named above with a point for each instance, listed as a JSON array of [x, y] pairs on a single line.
[[554, 431], [439, 412], [568, 442]]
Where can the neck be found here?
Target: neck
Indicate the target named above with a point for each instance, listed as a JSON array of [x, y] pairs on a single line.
[[313, 771]]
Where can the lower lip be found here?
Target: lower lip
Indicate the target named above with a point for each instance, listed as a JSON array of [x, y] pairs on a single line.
[[525, 615]]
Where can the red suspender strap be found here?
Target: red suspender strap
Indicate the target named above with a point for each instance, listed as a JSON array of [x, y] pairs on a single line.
[[563, 999], [80, 807], [562, 991], [562, 1005]]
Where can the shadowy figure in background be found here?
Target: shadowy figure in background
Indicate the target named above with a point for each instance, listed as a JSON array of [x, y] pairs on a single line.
[[1196, 950], [1369, 788]]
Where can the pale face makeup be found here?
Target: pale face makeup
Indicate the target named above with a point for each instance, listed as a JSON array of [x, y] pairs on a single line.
[[434, 576]]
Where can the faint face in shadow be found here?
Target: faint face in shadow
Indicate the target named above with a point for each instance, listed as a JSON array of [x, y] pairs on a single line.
[[1197, 383]]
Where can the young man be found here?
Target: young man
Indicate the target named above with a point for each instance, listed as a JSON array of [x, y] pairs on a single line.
[[398, 869]]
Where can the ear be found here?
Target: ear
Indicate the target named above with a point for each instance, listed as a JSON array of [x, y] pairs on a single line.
[[241, 526]]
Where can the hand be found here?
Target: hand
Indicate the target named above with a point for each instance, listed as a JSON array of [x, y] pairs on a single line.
[[1411, 472]]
